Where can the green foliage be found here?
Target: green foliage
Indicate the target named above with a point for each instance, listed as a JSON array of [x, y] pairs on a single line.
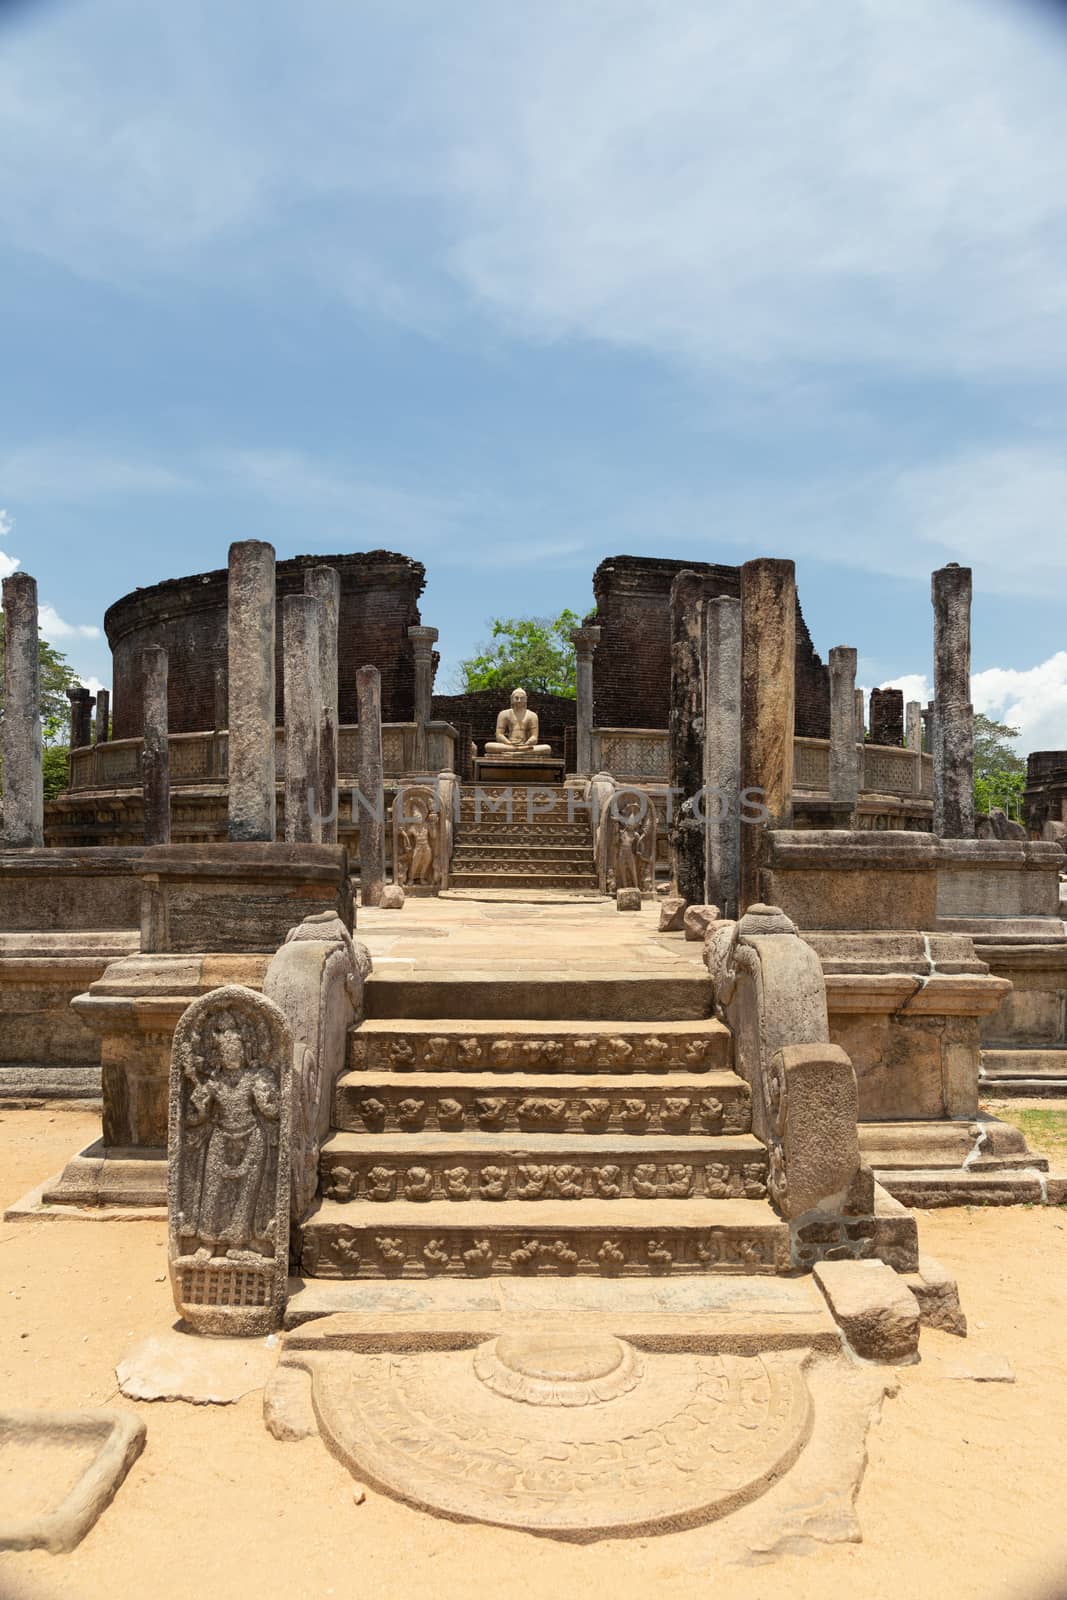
[[532, 653], [57, 676], [999, 773]]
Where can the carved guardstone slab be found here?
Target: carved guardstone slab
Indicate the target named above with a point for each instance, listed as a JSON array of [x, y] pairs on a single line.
[[228, 1163]]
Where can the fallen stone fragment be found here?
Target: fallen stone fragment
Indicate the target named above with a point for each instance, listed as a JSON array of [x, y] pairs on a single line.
[[628, 899], [981, 1368], [938, 1296], [672, 914], [204, 1372], [392, 897], [697, 921], [287, 1409], [873, 1307]]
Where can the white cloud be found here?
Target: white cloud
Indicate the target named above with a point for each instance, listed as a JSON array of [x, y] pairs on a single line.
[[53, 626], [60, 470], [8, 564], [1032, 699]]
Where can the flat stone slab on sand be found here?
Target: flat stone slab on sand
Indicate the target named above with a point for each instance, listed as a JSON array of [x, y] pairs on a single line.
[[58, 1471], [206, 1372]]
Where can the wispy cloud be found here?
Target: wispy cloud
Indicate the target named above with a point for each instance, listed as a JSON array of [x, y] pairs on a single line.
[[53, 626], [8, 564], [61, 470]]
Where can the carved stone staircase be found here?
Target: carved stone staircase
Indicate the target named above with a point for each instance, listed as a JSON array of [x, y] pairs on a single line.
[[581, 1145], [534, 847]]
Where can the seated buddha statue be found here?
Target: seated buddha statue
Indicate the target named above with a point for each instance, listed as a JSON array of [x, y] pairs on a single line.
[[517, 728]]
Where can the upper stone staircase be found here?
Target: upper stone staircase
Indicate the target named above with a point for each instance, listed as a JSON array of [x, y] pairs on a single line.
[[541, 842], [577, 1143]]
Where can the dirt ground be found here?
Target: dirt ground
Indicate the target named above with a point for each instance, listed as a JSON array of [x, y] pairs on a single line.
[[964, 1493]]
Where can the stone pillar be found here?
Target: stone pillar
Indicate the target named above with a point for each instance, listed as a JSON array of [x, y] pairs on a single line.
[[914, 716], [722, 750], [81, 717], [844, 765], [302, 694], [686, 736], [251, 691], [222, 709], [155, 751], [20, 727], [423, 641], [585, 643], [861, 718], [103, 717], [371, 786], [324, 583], [768, 696], [953, 742]]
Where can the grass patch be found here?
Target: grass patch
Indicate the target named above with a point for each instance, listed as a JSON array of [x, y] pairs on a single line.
[[1046, 1131]]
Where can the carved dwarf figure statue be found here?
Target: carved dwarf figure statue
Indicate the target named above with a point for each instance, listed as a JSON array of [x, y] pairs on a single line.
[[517, 730]]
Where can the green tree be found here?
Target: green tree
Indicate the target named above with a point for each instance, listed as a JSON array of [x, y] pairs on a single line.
[[999, 773], [57, 676], [532, 653]]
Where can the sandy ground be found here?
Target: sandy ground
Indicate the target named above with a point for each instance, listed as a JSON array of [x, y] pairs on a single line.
[[964, 1494]]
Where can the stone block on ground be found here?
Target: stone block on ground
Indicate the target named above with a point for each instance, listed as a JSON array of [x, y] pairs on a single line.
[[672, 913], [874, 1308], [288, 1412], [938, 1295], [392, 898], [237, 897], [697, 920], [628, 899], [979, 1368], [206, 1372]]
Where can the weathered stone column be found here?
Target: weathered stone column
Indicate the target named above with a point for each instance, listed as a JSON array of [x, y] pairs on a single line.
[[953, 741], [686, 735], [844, 765], [768, 697], [302, 696], [586, 640], [371, 786], [222, 695], [81, 717], [103, 716], [423, 641], [20, 728], [722, 750], [251, 691], [155, 751], [914, 740], [324, 583]]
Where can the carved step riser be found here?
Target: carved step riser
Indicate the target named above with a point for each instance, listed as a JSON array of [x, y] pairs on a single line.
[[476, 856], [365, 1180], [392, 1108], [339, 1251], [699, 1052], [522, 880]]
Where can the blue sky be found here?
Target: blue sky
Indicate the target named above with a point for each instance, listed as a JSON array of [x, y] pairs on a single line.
[[511, 287]]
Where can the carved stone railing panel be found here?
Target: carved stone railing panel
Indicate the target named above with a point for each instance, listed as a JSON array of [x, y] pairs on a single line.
[[884, 769], [811, 764], [632, 754]]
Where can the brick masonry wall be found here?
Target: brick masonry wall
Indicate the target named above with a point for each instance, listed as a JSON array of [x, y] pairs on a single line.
[[631, 668], [187, 616], [1045, 796], [886, 716], [479, 712]]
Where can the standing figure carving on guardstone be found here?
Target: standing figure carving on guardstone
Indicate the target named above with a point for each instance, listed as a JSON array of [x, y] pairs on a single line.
[[228, 1161], [634, 852]]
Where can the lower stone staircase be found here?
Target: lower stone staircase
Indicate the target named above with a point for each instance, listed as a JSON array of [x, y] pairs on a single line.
[[578, 1145], [523, 837]]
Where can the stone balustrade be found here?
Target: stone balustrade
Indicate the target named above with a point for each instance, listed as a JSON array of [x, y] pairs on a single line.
[[201, 758]]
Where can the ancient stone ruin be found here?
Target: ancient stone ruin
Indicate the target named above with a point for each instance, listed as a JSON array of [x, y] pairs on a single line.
[[567, 1221]]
